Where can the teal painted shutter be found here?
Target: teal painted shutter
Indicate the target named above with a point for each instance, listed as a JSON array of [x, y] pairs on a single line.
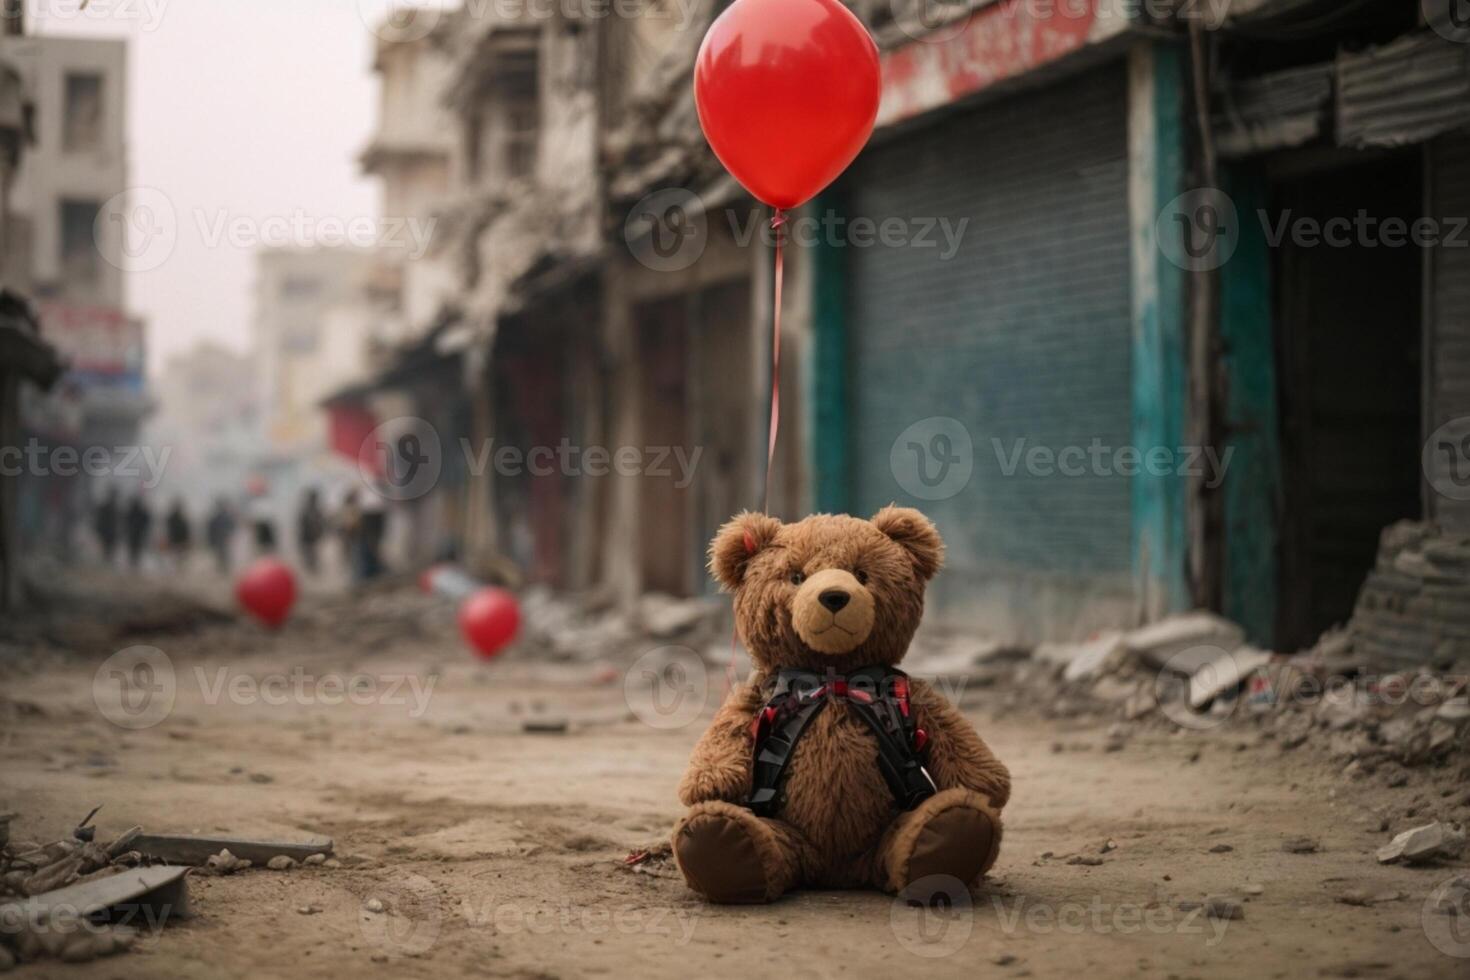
[[1022, 335]]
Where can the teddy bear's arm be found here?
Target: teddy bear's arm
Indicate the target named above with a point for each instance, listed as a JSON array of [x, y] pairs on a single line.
[[719, 768], [957, 755]]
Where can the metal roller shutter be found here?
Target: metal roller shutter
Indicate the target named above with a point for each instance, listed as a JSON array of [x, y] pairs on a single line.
[[1023, 335]]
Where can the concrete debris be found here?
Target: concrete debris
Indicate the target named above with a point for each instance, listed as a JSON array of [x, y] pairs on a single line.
[[1225, 673], [64, 923], [1090, 658], [1413, 610], [198, 850], [1184, 643], [1418, 845], [664, 617]]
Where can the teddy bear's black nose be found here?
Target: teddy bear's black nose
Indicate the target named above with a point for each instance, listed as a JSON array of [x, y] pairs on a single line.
[[834, 599]]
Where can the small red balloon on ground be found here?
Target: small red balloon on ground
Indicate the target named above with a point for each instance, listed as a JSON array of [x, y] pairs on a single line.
[[267, 590], [489, 620]]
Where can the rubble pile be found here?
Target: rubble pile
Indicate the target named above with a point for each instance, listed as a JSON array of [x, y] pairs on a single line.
[[1195, 671], [76, 899], [29, 869], [1414, 607], [585, 629]]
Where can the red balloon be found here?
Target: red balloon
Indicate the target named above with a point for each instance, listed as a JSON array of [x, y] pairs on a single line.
[[787, 91], [268, 590], [489, 620]]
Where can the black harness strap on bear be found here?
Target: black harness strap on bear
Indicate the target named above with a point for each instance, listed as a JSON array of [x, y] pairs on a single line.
[[878, 695]]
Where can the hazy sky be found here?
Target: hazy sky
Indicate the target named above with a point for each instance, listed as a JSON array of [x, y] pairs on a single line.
[[247, 116]]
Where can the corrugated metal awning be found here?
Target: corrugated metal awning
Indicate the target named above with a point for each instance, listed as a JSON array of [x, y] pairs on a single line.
[[1401, 93]]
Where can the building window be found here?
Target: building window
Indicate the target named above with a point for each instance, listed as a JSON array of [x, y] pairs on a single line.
[[81, 262], [517, 89], [81, 125], [522, 127]]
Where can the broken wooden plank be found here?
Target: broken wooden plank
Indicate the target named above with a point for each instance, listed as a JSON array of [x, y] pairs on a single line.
[[195, 849]]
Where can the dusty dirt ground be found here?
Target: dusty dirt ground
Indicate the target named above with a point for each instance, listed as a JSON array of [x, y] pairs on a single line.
[[501, 853]]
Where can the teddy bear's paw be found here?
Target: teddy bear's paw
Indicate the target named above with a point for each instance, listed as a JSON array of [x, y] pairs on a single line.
[[952, 837], [729, 856]]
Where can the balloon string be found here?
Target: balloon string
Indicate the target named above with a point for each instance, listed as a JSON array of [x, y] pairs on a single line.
[[778, 224]]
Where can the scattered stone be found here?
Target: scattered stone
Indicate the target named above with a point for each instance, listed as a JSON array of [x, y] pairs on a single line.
[[373, 905], [1364, 898], [1005, 959], [1108, 845], [332, 864], [1221, 849], [309, 909], [1223, 907], [1421, 844], [1253, 889], [312, 860], [1300, 845], [281, 863], [1085, 859], [260, 777], [1397, 779]]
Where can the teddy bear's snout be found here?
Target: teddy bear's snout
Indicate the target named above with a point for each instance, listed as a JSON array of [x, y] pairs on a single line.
[[834, 599], [832, 611]]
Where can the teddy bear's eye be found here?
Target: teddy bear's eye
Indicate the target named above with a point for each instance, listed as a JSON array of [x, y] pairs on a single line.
[[797, 578], [861, 576]]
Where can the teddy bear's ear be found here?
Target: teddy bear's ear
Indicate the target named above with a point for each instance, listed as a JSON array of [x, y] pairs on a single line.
[[917, 535], [737, 543]]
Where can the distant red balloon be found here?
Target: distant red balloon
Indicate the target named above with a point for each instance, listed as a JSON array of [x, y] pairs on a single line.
[[787, 92], [267, 589], [489, 620]]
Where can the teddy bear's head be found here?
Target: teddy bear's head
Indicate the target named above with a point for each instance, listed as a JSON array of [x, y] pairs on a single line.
[[828, 592]]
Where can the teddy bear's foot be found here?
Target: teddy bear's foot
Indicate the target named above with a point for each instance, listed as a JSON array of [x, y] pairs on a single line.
[[731, 856], [954, 836]]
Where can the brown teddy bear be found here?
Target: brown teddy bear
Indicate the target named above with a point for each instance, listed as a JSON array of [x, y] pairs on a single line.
[[831, 768]]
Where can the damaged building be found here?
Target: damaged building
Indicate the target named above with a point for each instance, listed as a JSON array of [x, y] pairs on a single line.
[[1104, 306]]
